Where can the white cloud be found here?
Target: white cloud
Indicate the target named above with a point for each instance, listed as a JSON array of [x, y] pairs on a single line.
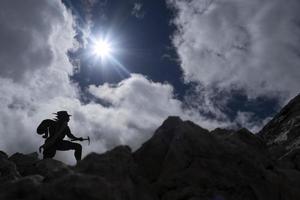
[[138, 107], [31, 37], [232, 44], [34, 83], [35, 37], [139, 94]]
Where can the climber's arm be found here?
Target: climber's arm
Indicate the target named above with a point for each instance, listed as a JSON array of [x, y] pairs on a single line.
[[71, 136]]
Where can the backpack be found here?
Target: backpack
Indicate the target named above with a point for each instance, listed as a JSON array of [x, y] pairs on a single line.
[[43, 128]]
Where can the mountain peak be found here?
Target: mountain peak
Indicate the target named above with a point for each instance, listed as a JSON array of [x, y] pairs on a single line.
[[171, 122]]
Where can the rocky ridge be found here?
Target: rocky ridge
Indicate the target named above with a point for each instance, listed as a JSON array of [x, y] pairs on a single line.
[[182, 161]]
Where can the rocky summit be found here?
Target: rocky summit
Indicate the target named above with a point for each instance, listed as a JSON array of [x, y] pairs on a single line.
[[182, 161]]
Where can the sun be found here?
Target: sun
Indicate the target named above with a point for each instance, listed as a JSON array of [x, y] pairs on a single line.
[[102, 48], [104, 51]]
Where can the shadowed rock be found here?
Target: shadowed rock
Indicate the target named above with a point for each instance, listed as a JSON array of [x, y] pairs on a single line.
[[8, 169], [78, 186], [118, 168], [52, 169], [181, 161], [185, 161], [25, 163], [283, 129]]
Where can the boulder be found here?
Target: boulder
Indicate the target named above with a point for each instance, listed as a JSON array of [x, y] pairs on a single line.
[[25, 163], [78, 187], [27, 188], [8, 170], [118, 168], [52, 169]]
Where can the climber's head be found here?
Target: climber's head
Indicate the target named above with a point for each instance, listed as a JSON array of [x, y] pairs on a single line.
[[63, 116]]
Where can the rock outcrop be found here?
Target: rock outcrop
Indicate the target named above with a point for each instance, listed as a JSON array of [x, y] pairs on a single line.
[[185, 161], [283, 129], [181, 161]]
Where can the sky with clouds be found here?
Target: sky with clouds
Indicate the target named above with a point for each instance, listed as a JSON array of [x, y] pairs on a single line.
[[204, 57], [249, 45]]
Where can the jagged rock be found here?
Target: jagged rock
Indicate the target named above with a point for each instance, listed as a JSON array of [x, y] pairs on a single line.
[[249, 139], [118, 168], [25, 163], [220, 132], [284, 128], [8, 170], [151, 155], [51, 169], [27, 188], [190, 162], [180, 161], [167, 139], [78, 187], [290, 160], [113, 163], [48, 168], [243, 143]]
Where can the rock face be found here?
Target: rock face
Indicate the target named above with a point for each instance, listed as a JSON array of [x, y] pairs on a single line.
[[284, 128], [282, 136], [282, 133], [182, 161], [185, 161]]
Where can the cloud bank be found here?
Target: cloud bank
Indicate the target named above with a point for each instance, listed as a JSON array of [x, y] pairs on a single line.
[[34, 76], [232, 44], [35, 82]]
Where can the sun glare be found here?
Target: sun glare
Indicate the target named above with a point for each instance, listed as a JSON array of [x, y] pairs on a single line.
[[102, 48], [104, 51]]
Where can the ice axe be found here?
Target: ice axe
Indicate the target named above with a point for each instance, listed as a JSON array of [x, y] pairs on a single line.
[[88, 139]]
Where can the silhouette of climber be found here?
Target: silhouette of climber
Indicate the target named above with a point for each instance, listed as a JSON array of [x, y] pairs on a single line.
[[54, 131]]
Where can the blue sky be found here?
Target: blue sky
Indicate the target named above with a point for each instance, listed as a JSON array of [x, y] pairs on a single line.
[[147, 48]]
